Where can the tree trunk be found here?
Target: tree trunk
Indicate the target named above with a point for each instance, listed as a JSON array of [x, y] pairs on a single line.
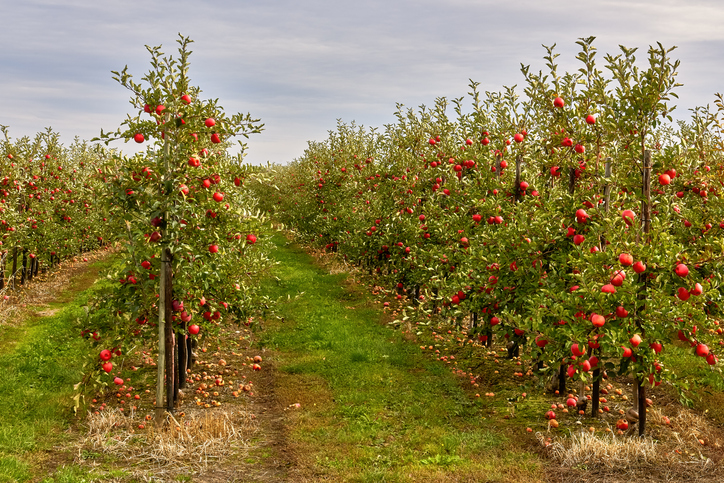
[[168, 291]]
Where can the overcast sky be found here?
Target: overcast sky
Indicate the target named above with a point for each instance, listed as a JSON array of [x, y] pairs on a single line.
[[301, 65]]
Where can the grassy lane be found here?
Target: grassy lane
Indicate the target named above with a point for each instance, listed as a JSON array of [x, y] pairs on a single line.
[[40, 358], [372, 407]]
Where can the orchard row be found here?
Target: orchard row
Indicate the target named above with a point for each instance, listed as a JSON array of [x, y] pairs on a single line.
[[579, 221], [51, 203]]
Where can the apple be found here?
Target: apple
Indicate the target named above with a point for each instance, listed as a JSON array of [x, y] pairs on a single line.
[[138, 137], [625, 259], [213, 248], [621, 312], [635, 340], [107, 367], [494, 321], [194, 329], [477, 218], [570, 402], [250, 239], [186, 99], [702, 350], [558, 102], [608, 288], [155, 237], [578, 239], [218, 197], [215, 138], [664, 179], [598, 320], [586, 366], [146, 264], [697, 290], [518, 138], [590, 119], [657, 347], [628, 216], [683, 294], [550, 415], [210, 122], [711, 359], [577, 351], [580, 149], [160, 108], [622, 424], [118, 381], [627, 352], [681, 270], [639, 267], [581, 215], [106, 355], [485, 141], [618, 278]]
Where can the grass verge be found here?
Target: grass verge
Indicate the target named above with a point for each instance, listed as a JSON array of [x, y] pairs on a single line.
[[373, 407], [41, 357]]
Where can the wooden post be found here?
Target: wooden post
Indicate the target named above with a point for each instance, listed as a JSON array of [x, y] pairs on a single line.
[[169, 352], [2, 269], [518, 163], [646, 225], [596, 394], [182, 356], [161, 363], [15, 265]]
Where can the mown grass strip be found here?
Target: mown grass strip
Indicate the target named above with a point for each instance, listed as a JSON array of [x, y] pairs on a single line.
[[372, 407], [41, 360]]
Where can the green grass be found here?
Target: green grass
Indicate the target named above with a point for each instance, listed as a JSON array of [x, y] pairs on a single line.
[[374, 408], [41, 360]]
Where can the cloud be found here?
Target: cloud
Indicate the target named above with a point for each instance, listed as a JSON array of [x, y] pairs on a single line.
[[300, 66]]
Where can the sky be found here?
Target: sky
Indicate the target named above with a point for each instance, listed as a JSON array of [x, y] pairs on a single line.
[[300, 66]]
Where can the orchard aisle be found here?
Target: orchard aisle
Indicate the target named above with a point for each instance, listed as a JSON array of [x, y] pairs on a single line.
[[361, 402]]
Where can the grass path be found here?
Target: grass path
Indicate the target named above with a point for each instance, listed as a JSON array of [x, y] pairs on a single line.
[[372, 407], [41, 359]]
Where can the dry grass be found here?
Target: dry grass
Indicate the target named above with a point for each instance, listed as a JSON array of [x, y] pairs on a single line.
[[184, 443], [680, 443], [609, 451]]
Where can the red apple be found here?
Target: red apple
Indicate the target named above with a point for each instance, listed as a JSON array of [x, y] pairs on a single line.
[[639, 267], [108, 366], [702, 350], [210, 122], [558, 102], [138, 137], [590, 119], [628, 216], [194, 329], [106, 355], [621, 312], [598, 320], [213, 248], [664, 179], [218, 197], [681, 270], [635, 340], [625, 259]]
